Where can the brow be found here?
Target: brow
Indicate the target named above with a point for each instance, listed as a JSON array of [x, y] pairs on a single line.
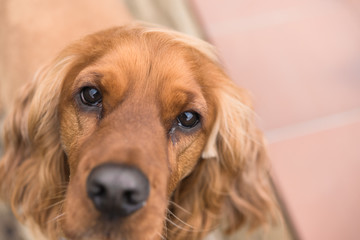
[[90, 78]]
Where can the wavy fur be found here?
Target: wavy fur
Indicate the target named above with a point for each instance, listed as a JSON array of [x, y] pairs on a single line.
[[227, 187]]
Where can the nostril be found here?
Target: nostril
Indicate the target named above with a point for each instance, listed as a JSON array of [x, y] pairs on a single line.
[[97, 193], [131, 197], [96, 189]]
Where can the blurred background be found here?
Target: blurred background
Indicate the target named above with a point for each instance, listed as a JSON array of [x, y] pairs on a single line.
[[300, 59]]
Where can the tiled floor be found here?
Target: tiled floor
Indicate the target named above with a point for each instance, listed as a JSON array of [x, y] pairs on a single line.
[[301, 61], [324, 195]]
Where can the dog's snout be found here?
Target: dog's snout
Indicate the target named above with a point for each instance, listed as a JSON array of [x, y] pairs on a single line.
[[117, 190]]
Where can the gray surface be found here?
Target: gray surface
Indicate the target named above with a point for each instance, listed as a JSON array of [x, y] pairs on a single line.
[[9, 227]]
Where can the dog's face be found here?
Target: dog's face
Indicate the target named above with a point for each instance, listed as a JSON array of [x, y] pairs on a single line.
[[134, 133], [139, 105]]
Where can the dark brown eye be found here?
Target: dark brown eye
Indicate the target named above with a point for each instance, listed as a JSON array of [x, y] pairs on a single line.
[[188, 119], [90, 96]]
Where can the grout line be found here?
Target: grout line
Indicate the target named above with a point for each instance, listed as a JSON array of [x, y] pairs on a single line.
[[313, 126]]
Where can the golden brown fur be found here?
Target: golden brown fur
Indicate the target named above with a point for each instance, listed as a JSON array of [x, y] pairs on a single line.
[[213, 177]]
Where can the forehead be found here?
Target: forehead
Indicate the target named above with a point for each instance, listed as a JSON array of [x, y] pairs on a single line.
[[151, 68], [146, 62]]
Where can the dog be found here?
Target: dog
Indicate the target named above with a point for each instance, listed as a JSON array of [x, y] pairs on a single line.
[[135, 132]]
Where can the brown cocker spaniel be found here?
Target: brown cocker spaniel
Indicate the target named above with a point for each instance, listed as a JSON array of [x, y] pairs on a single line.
[[135, 133]]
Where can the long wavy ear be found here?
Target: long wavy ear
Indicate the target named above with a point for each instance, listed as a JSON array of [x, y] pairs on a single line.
[[33, 168], [239, 147], [230, 184]]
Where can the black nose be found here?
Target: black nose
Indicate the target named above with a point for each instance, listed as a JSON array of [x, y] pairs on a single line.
[[117, 190]]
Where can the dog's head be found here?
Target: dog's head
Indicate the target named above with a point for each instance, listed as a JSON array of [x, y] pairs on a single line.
[[135, 133]]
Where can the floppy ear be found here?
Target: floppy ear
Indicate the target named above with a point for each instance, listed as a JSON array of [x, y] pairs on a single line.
[[239, 147], [33, 168], [230, 185]]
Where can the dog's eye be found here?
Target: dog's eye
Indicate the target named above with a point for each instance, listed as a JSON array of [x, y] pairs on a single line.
[[90, 96], [188, 119]]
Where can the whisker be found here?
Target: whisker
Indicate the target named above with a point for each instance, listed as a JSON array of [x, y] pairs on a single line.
[[192, 228], [56, 218], [160, 235], [179, 227], [180, 207], [44, 207], [183, 222], [53, 205]]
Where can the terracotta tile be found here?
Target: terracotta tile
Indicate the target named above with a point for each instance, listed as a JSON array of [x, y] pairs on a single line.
[[318, 177], [300, 62], [212, 11]]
